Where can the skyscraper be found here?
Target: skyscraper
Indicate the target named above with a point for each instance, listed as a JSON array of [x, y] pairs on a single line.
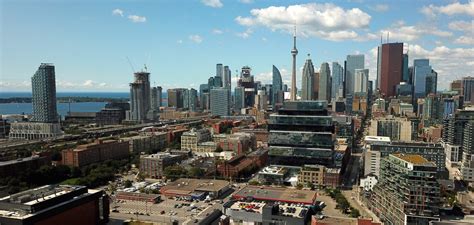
[[220, 101], [139, 97], [203, 96], [294, 52], [468, 89], [405, 73], [277, 86], [324, 83], [159, 95], [239, 99], [421, 69], [391, 68], [45, 120], [247, 82], [190, 99], [431, 85], [43, 84], [227, 77], [176, 98], [220, 71], [154, 98], [307, 87], [353, 62], [361, 81], [337, 85]]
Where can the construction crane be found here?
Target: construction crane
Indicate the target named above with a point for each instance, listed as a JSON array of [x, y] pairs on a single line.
[[131, 65]]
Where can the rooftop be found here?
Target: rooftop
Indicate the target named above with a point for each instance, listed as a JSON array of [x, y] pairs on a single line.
[[276, 194], [413, 158], [377, 138], [185, 186], [291, 210], [10, 162], [159, 155]]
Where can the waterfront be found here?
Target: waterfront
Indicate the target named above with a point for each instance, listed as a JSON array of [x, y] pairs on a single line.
[[63, 108]]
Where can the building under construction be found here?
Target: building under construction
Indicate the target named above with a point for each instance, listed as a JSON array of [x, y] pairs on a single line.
[[407, 192]]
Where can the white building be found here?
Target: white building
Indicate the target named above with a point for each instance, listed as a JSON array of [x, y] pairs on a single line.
[[368, 182]]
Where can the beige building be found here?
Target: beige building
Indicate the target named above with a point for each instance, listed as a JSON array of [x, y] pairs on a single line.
[[191, 139], [311, 174], [394, 127], [150, 142]]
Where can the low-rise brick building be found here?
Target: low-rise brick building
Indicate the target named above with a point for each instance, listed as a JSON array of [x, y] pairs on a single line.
[[95, 152]]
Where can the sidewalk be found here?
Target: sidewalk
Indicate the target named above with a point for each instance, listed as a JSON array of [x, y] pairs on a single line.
[[351, 196]]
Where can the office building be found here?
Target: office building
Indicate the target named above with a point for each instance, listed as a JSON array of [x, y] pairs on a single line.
[[261, 100], [190, 99], [45, 119], [468, 89], [214, 82], [227, 77], [394, 127], [407, 191], [239, 100], [277, 86], [453, 128], [324, 92], [95, 152], [156, 98], [159, 96], [361, 81], [456, 86], [112, 114], [301, 133], [191, 139], [316, 86], [147, 142], [55, 204], [353, 62], [176, 98], [391, 68], [153, 165], [246, 81], [140, 102], [421, 70], [220, 101], [405, 70], [337, 84], [203, 96], [195, 188], [307, 87], [220, 71]]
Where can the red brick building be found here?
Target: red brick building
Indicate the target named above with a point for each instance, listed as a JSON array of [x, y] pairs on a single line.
[[97, 151], [241, 164]]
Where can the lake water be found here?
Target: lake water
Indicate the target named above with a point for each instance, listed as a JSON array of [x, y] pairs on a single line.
[[70, 94], [63, 108]]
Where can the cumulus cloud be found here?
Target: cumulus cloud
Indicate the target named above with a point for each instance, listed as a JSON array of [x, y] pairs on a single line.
[[461, 25], [246, 34], [327, 21], [195, 38], [217, 31], [213, 3], [450, 9], [117, 12], [401, 32], [379, 7], [137, 19], [464, 40]]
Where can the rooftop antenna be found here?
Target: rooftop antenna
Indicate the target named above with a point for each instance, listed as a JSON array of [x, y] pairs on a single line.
[[131, 65]]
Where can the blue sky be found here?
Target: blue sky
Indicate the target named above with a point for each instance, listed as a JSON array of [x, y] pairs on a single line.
[[182, 40]]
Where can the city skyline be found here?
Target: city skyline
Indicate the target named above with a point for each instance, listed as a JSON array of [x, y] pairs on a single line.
[[114, 31]]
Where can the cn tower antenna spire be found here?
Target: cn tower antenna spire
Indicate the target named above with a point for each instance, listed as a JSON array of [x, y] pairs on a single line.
[[294, 52]]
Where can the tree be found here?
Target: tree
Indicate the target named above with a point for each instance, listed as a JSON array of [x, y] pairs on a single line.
[[127, 183], [219, 149], [174, 171], [196, 172], [310, 185], [355, 213], [299, 186], [254, 182]]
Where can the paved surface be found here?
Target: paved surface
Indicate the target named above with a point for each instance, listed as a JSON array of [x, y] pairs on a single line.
[[330, 209], [352, 198]]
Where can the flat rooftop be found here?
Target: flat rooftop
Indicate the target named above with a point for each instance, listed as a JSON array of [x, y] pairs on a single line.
[[376, 138], [413, 158], [20, 160], [276, 194], [185, 186], [257, 207]]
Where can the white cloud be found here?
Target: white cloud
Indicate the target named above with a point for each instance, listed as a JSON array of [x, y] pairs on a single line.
[[195, 38], [137, 19], [246, 34], [461, 25], [327, 21], [246, 1], [401, 32], [379, 7], [450, 9], [465, 40], [213, 3], [217, 31], [117, 12]]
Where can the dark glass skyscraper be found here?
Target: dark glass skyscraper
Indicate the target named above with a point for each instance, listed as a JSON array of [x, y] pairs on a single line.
[[277, 86], [140, 97], [43, 84]]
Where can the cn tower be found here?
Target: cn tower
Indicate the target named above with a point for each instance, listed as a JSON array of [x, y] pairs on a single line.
[[294, 52]]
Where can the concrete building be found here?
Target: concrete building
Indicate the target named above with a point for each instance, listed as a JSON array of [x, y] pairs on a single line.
[[261, 100], [95, 152], [243, 165], [361, 81], [368, 182], [430, 151], [45, 119], [353, 62], [195, 188], [153, 165], [307, 87], [220, 101], [147, 142], [176, 98], [55, 204], [453, 128], [390, 64], [407, 191], [337, 84], [467, 163], [324, 92], [394, 127], [190, 100], [246, 81], [191, 139], [276, 194], [313, 174], [140, 94]]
